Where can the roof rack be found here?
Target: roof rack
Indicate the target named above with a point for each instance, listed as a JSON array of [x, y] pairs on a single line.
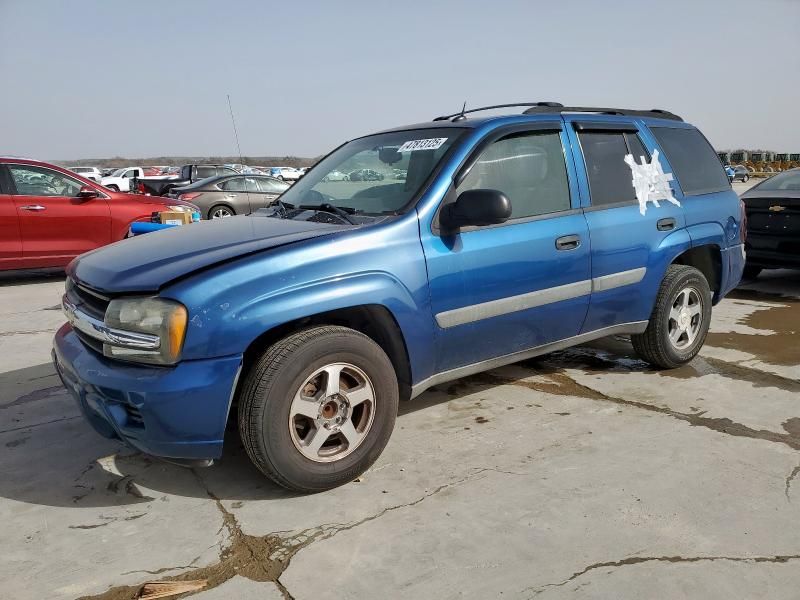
[[653, 112], [535, 108], [460, 115]]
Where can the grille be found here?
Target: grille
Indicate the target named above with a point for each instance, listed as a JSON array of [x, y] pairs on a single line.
[[92, 304]]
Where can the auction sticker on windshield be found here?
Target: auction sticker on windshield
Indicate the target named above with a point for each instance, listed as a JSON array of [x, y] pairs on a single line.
[[429, 144]]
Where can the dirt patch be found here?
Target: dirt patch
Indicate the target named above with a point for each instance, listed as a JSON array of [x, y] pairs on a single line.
[[779, 348]]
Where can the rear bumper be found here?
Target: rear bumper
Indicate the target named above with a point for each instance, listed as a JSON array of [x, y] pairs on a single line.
[[178, 412]]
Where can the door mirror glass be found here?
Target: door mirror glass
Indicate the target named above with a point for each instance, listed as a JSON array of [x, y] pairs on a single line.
[[476, 208], [87, 192]]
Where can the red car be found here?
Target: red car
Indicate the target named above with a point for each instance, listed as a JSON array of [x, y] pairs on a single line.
[[49, 215]]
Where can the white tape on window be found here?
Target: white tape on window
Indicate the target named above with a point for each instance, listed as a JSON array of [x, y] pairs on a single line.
[[650, 182]]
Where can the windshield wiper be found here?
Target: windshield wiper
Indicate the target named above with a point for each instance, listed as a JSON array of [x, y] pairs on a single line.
[[340, 211]]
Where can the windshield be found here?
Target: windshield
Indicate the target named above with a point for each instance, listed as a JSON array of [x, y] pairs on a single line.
[[787, 181], [378, 174], [119, 172]]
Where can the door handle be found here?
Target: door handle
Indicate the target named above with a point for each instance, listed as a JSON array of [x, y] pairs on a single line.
[[568, 242], [33, 207], [665, 224]]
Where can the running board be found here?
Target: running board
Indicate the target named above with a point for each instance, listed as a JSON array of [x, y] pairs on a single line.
[[507, 359]]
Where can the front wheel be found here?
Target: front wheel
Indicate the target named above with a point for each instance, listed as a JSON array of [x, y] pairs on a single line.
[[318, 408], [680, 319], [746, 178], [113, 187]]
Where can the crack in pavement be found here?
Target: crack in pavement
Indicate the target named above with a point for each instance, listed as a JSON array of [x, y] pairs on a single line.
[[108, 521], [32, 425], [795, 472], [562, 384], [635, 560], [264, 558]]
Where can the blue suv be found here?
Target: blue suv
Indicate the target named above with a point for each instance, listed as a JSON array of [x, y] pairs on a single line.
[[307, 322]]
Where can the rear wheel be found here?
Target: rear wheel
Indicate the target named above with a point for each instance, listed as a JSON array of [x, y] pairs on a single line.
[[318, 408], [220, 211], [679, 323]]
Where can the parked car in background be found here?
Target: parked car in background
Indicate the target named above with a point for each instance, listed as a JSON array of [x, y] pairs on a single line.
[[161, 186], [49, 215], [365, 175], [229, 195], [773, 223], [740, 173], [120, 180], [106, 171], [336, 175], [285, 173], [511, 237], [92, 173]]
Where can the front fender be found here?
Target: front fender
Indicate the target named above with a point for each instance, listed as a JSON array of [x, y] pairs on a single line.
[[232, 305]]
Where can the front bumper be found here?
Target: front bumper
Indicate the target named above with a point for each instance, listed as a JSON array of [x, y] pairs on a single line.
[[178, 412]]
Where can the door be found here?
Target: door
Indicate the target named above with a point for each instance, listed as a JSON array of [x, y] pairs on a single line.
[[506, 288], [55, 224], [627, 264], [269, 190], [10, 240]]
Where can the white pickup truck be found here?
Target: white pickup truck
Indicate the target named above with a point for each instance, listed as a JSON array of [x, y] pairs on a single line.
[[120, 180]]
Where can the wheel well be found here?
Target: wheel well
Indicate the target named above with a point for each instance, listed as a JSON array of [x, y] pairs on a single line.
[[372, 320], [706, 259]]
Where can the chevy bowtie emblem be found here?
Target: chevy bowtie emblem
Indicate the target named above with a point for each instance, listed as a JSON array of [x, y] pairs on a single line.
[[777, 208]]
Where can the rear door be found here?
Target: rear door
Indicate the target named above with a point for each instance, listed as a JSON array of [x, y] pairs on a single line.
[[55, 224], [627, 263], [10, 240]]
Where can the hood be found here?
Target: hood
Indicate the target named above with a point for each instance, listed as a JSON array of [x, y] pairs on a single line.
[[147, 262]]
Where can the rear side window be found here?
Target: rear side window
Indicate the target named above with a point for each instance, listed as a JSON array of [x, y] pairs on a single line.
[[694, 162], [610, 179], [203, 172], [529, 169]]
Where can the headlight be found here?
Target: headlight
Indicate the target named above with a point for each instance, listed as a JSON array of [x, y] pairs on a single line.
[[180, 208], [156, 317]]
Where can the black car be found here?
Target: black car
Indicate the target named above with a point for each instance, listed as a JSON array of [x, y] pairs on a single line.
[[365, 175], [773, 223]]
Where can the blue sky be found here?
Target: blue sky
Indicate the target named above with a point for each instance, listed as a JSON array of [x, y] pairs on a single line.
[[105, 78]]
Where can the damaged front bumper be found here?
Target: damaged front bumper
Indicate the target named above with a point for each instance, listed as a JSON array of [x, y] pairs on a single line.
[[178, 412]]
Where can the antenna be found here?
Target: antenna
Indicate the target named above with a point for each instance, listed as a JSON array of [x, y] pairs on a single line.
[[461, 116], [235, 132]]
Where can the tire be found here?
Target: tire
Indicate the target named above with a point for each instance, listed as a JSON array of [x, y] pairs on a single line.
[[655, 345], [746, 178], [113, 187], [270, 393], [221, 211], [751, 272]]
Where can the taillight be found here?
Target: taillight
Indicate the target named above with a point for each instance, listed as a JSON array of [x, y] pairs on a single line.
[[141, 188], [189, 196], [743, 222]]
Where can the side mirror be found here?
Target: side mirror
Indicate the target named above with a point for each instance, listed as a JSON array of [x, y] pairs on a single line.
[[87, 192], [476, 208]]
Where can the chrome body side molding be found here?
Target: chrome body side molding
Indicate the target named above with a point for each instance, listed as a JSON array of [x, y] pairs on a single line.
[[511, 304]]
